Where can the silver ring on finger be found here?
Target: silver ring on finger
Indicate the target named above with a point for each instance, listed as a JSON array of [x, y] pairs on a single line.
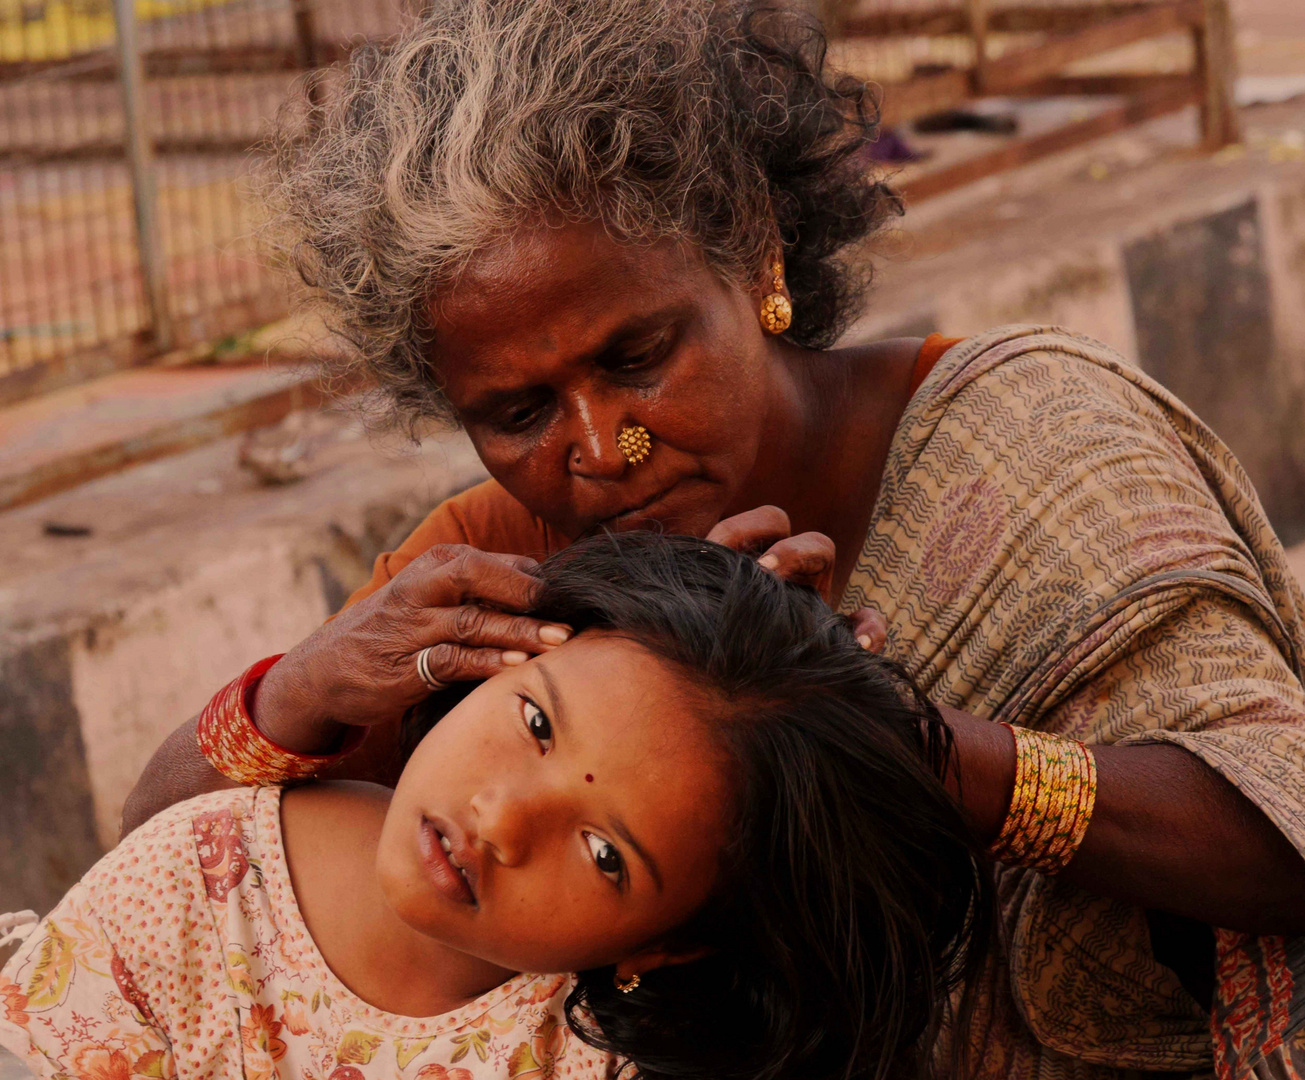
[[423, 669]]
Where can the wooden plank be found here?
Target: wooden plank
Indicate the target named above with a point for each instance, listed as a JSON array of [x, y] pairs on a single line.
[[1012, 71], [136, 350], [109, 150], [1216, 63], [100, 66], [45, 376], [1016, 19], [1024, 151], [979, 16], [1099, 85], [77, 468], [923, 95]]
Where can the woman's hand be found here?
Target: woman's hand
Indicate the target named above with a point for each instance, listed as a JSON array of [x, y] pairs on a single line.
[[807, 559], [361, 667]]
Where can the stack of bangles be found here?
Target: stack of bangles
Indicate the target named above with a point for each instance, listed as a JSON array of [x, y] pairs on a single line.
[[1051, 805], [234, 746]]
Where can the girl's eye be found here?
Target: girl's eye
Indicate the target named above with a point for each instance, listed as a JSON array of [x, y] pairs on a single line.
[[605, 856], [538, 724]]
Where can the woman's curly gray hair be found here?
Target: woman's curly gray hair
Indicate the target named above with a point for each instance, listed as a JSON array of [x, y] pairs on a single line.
[[709, 121]]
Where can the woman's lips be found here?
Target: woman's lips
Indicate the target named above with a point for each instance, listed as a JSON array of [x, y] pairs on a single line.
[[443, 873], [634, 514]]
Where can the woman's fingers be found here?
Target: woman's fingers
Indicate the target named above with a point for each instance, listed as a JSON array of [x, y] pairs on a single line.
[[805, 559], [450, 662], [471, 624], [752, 530], [870, 628], [451, 574]]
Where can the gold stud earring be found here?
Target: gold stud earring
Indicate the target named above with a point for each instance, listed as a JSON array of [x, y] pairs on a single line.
[[776, 311], [629, 985], [635, 443]]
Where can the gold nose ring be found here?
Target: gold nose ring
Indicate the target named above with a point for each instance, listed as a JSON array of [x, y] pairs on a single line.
[[635, 443]]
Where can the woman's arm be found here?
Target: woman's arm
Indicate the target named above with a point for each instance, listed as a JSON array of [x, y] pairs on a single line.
[[360, 668], [1168, 832]]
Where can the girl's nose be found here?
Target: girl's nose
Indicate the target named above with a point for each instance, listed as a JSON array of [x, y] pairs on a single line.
[[505, 820], [592, 452]]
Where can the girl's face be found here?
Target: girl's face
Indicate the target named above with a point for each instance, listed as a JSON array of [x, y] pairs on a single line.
[[551, 343], [582, 800]]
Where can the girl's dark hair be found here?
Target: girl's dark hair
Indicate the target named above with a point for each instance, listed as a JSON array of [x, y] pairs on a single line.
[[714, 122], [851, 902]]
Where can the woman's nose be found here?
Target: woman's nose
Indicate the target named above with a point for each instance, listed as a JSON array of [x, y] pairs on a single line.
[[592, 452]]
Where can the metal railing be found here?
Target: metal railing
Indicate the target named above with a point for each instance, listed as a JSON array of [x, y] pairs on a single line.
[[125, 126], [125, 227]]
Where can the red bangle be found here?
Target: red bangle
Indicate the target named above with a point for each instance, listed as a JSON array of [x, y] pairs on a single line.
[[234, 746]]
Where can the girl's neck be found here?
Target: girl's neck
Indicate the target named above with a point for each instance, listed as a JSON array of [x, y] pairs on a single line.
[[828, 431], [330, 832]]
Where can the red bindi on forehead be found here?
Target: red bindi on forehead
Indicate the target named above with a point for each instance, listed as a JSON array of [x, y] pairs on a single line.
[[589, 778]]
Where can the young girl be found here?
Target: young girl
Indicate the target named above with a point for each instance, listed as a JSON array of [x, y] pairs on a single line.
[[711, 805]]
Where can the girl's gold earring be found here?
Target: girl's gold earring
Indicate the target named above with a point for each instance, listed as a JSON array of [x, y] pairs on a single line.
[[634, 443], [776, 311], [629, 985]]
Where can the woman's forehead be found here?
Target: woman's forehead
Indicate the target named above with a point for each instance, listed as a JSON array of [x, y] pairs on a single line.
[[550, 297], [576, 264]]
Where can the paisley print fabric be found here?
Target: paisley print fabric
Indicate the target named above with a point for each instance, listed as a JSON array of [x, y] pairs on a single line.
[[1058, 542], [183, 954]]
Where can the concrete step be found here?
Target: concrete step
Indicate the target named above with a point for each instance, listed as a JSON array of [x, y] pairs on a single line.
[[156, 586], [59, 440]]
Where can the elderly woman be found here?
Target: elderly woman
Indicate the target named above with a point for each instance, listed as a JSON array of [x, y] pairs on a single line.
[[616, 241]]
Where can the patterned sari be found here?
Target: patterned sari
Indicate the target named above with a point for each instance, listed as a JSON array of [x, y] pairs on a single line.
[[1058, 542]]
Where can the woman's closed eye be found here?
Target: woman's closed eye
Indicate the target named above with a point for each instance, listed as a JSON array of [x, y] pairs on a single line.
[[538, 724], [641, 357], [606, 857], [521, 416]]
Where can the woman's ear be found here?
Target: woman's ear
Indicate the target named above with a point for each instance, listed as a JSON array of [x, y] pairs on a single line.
[[651, 959]]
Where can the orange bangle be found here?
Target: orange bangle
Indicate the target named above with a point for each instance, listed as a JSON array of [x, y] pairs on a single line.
[[231, 741]]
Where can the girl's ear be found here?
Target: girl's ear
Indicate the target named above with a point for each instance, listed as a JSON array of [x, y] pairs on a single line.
[[651, 959]]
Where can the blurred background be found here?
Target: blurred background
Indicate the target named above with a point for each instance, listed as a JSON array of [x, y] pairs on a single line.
[[178, 497]]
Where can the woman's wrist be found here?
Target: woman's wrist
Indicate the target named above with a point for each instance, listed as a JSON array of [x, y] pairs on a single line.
[[985, 762], [286, 711]]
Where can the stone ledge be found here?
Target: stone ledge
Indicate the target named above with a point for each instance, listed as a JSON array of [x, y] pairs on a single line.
[[191, 571]]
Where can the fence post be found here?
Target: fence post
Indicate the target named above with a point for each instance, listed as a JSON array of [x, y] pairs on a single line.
[[1216, 66], [140, 165], [976, 16]]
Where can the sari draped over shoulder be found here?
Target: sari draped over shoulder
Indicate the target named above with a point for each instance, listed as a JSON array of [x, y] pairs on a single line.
[[1058, 542]]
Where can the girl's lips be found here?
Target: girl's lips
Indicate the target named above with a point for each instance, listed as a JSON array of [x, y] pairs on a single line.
[[443, 873]]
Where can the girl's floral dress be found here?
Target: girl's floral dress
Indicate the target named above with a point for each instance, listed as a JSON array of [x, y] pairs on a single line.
[[183, 954]]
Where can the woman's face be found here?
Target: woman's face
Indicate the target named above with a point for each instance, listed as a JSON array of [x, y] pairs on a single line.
[[585, 813], [553, 341]]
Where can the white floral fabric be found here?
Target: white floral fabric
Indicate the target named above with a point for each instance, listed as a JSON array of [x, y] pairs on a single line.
[[183, 954]]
